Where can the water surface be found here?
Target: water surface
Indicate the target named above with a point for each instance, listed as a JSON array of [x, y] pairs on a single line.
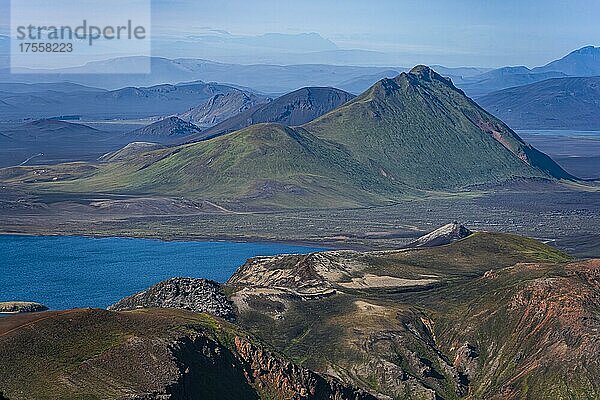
[[67, 272]]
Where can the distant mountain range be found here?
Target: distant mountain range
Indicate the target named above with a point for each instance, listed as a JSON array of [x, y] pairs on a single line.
[[295, 108], [265, 78], [52, 141], [581, 62], [477, 82], [564, 103], [502, 78], [404, 135], [271, 78], [65, 99]]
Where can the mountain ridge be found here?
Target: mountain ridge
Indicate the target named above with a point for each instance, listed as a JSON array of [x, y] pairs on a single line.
[[292, 109], [402, 137], [583, 62], [561, 103]]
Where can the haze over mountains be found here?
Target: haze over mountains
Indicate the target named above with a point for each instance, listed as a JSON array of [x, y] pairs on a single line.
[[61, 99], [159, 93], [565, 103]]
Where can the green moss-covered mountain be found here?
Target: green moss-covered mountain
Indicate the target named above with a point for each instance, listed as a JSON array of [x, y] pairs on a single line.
[[402, 137]]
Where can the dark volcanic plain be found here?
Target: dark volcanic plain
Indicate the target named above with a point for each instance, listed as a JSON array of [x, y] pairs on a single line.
[[565, 216]]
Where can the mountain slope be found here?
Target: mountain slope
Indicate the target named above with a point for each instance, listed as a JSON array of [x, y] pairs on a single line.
[[422, 131], [482, 318], [505, 77], [360, 84], [404, 136], [266, 164], [295, 108], [51, 142], [222, 106], [581, 62], [148, 354], [565, 103]]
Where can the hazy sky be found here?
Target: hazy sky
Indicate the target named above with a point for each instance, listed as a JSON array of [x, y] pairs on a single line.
[[450, 32]]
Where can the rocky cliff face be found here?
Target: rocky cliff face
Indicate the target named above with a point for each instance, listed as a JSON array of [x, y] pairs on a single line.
[[198, 295], [442, 236], [151, 355]]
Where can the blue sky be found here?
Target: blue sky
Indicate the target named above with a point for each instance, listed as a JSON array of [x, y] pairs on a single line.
[[449, 32], [497, 32]]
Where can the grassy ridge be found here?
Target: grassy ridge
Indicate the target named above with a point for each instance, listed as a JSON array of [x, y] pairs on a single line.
[[403, 342]]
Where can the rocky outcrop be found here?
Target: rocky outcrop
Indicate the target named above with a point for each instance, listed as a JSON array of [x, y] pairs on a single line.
[[15, 307], [198, 295], [442, 236], [291, 381]]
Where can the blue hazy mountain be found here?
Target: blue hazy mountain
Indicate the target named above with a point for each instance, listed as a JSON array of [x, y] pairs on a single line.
[[564, 103], [503, 78], [44, 101], [581, 62], [266, 78]]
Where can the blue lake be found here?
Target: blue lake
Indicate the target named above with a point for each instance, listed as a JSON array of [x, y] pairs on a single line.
[[68, 272]]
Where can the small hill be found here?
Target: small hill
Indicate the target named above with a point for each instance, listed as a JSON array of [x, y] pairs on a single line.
[[131, 150], [52, 141], [52, 130], [581, 62], [565, 103], [292, 109], [167, 129], [16, 307], [222, 106]]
